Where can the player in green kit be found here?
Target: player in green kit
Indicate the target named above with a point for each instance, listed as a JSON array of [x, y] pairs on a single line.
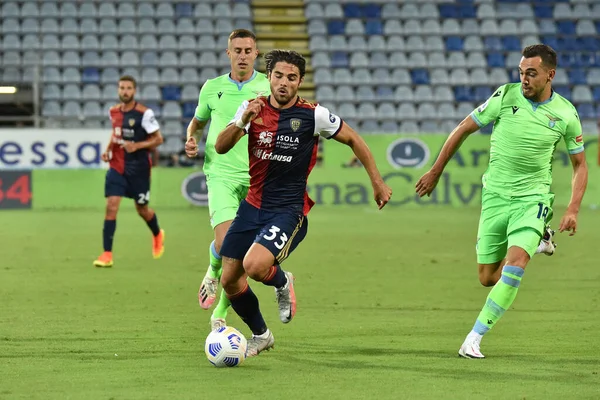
[[226, 174], [529, 120]]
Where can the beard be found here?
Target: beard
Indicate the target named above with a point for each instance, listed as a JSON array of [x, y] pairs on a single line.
[[125, 99]]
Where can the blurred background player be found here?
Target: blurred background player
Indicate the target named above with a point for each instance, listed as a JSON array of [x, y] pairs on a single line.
[[529, 119], [226, 175], [283, 132], [135, 133]]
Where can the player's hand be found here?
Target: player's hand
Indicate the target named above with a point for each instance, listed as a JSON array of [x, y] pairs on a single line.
[[568, 223], [254, 107], [129, 146], [105, 156], [427, 183], [382, 194], [191, 147]]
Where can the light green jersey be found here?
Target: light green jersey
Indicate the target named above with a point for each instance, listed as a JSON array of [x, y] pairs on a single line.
[[524, 138], [218, 101]]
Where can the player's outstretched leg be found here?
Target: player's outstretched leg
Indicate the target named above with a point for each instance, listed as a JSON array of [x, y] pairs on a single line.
[[245, 304], [158, 235], [498, 301], [547, 245], [207, 293], [219, 314], [108, 232]]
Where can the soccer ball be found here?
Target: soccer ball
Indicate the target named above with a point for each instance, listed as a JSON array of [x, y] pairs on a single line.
[[225, 347]]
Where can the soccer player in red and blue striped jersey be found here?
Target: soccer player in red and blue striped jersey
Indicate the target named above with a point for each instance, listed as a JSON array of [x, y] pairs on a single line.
[[283, 134]]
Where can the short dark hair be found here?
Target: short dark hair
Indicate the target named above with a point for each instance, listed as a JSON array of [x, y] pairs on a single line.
[[287, 56], [128, 78], [545, 52], [242, 33]]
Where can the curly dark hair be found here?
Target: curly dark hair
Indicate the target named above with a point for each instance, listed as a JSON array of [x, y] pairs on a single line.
[[287, 56]]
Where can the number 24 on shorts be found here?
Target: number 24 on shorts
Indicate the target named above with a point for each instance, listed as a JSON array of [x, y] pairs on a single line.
[[274, 230], [543, 211]]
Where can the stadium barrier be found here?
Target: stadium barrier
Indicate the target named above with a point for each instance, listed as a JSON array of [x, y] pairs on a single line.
[[51, 169]]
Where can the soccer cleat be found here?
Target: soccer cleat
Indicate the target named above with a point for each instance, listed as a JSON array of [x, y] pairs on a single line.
[[260, 343], [158, 244], [286, 299], [470, 347], [547, 246], [216, 323], [207, 294], [104, 261]]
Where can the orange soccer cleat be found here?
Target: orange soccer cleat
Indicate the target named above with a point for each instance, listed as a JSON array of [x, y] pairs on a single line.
[[105, 260], [158, 244]]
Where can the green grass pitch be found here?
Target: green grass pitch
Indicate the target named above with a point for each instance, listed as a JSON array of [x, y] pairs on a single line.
[[384, 302]]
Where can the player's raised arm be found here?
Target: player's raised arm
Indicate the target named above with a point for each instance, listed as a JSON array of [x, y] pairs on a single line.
[[239, 126], [574, 142]]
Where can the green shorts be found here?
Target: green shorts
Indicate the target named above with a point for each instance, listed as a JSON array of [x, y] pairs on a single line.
[[511, 221], [224, 198]]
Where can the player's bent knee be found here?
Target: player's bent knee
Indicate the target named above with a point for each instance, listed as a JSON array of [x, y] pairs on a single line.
[[487, 280], [256, 268], [517, 257]]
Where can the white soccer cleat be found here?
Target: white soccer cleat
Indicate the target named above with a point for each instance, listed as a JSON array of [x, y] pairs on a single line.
[[260, 343], [216, 323], [286, 298], [207, 294], [470, 347], [547, 246]]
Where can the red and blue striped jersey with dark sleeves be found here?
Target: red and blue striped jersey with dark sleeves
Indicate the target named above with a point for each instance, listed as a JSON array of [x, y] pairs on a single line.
[[282, 148]]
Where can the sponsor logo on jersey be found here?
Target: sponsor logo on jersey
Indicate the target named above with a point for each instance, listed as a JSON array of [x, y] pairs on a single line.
[[265, 139], [117, 131], [407, 153], [268, 155], [331, 118]]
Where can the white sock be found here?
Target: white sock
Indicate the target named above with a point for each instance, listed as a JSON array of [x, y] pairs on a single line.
[[264, 335], [474, 336]]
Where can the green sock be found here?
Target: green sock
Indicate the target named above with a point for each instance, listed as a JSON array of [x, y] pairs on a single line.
[[215, 262], [220, 310], [500, 299]]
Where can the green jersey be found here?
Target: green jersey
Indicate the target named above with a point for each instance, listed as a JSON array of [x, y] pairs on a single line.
[[218, 101], [524, 138]]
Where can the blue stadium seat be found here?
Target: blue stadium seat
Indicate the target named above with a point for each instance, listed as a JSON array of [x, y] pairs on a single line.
[[563, 90], [189, 109], [335, 27], [577, 76], [371, 11], [352, 10], [183, 10], [448, 11], [373, 27], [339, 59], [463, 93], [467, 11], [420, 76], [596, 94], [511, 43], [493, 43], [454, 43], [586, 111], [566, 27], [482, 93], [171, 93], [495, 59], [90, 75], [543, 11]]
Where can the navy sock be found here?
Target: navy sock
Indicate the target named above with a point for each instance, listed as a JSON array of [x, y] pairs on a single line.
[[276, 277], [245, 305], [108, 233], [153, 225]]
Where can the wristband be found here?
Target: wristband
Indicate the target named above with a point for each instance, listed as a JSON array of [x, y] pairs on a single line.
[[240, 124]]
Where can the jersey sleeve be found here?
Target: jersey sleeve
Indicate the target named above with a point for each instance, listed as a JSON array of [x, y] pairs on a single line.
[[490, 110], [203, 109], [326, 124], [574, 135], [149, 122], [239, 113]]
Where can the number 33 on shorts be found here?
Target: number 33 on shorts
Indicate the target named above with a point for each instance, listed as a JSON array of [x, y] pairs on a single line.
[[272, 235]]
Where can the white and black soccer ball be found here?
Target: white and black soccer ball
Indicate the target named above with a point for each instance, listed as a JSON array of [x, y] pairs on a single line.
[[225, 347]]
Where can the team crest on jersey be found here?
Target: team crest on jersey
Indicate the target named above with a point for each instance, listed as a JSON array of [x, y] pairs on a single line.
[[117, 131], [295, 124], [131, 122], [552, 120]]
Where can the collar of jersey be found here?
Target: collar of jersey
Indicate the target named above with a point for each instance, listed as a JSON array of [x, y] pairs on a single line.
[[536, 105], [240, 85]]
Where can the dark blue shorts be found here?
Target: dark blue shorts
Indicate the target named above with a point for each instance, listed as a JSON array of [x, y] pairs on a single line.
[[280, 232], [133, 187]]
